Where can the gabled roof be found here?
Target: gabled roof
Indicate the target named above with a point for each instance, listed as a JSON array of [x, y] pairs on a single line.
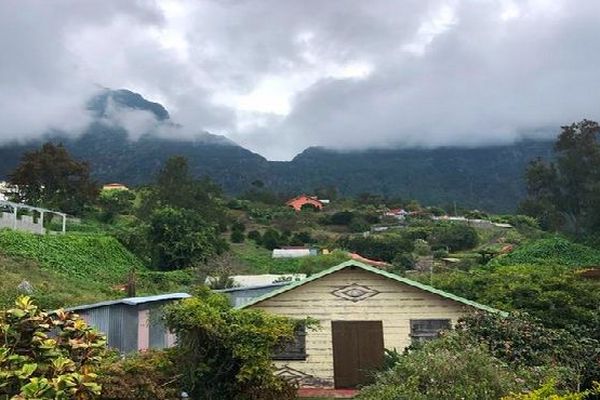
[[304, 197], [397, 278]]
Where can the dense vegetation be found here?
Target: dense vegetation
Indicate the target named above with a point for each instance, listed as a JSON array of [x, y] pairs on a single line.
[[226, 353], [178, 230]]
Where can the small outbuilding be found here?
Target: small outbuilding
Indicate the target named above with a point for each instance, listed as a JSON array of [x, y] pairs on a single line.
[[294, 252], [114, 186], [362, 310], [298, 202], [132, 323]]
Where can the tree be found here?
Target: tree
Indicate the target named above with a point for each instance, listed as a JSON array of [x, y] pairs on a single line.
[[271, 239], [455, 237], [175, 187], [115, 202], [49, 177], [47, 356], [565, 194], [181, 238], [224, 353]]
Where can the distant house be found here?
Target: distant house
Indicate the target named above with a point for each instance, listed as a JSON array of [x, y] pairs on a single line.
[[132, 323], [114, 186], [294, 252], [362, 310], [245, 281], [297, 202], [398, 213]]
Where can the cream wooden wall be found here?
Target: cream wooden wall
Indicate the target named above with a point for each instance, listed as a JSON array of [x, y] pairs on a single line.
[[395, 305]]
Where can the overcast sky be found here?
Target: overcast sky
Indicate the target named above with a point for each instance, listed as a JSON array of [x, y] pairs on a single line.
[[278, 76]]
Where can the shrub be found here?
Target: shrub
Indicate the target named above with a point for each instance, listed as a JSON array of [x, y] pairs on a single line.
[[550, 392], [404, 261], [47, 356], [359, 225], [225, 353], [524, 342], [449, 369], [454, 236], [237, 237], [341, 218], [271, 239], [150, 375], [255, 235], [383, 248], [238, 226], [422, 248]]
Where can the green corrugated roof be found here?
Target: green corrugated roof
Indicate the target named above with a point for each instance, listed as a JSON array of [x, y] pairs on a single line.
[[353, 263]]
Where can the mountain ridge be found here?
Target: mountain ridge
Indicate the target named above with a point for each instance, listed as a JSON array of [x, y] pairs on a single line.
[[486, 177]]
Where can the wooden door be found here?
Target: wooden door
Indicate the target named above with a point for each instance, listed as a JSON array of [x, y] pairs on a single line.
[[357, 351]]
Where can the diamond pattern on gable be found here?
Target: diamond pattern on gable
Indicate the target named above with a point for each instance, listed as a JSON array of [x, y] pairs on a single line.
[[290, 374], [355, 292]]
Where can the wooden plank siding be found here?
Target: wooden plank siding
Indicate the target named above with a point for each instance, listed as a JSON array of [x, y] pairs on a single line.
[[395, 305]]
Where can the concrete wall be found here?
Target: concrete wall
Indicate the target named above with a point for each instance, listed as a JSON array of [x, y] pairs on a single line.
[[391, 302], [24, 223]]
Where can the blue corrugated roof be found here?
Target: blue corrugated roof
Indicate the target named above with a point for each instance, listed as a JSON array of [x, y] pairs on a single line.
[[132, 301]]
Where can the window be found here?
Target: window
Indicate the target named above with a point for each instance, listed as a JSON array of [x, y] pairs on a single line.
[[427, 329], [294, 349]]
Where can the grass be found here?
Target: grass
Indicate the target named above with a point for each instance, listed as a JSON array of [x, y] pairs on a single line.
[[73, 269], [258, 260], [51, 289], [88, 257]]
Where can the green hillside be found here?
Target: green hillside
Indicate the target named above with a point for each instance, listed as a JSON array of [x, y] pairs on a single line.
[[552, 251], [89, 257], [76, 268]]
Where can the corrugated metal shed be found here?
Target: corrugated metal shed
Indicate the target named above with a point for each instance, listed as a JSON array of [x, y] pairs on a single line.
[[132, 323]]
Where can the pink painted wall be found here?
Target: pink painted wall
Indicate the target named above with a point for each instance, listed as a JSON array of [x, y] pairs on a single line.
[[143, 329]]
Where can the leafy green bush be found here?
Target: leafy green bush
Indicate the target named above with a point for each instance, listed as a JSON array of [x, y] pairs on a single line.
[[115, 202], [524, 342], [271, 239], [449, 368], [339, 218], [382, 248], [255, 236], [151, 375], [550, 392], [555, 295], [455, 237], [237, 236], [225, 353], [47, 356]]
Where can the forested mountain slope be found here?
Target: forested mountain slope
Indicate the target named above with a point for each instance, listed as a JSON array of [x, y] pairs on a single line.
[[489, 178]]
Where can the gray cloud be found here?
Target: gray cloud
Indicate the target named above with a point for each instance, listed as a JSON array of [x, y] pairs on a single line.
[[280, 76]]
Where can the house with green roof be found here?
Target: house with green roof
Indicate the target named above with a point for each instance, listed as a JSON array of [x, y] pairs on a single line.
[[361, 310]]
